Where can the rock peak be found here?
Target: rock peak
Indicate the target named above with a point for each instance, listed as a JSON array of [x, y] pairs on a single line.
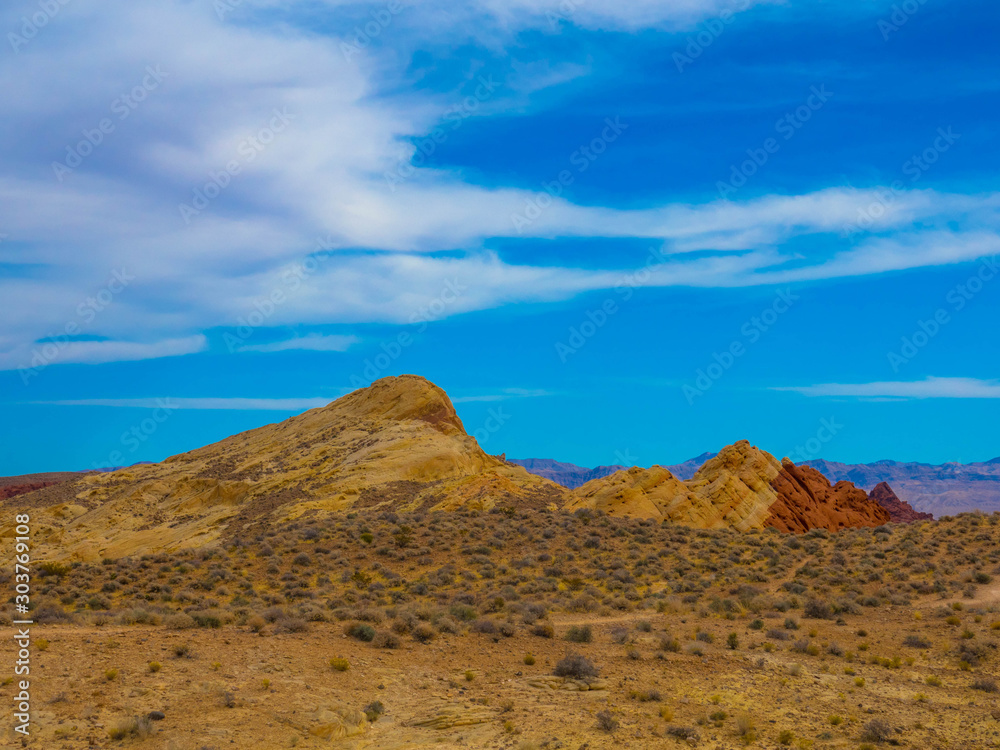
[[404, 397]]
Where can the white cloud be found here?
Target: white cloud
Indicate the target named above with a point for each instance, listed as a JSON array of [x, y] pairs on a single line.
[[99, 352], [505, 394], [312, 343], [227, 404], [323, 176], [931, 387]]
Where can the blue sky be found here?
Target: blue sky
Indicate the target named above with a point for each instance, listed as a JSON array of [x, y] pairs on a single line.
[[613, 232]]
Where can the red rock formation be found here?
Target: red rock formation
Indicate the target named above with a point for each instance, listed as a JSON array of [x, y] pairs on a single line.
[[13, 490], [806, 500], [899, 511]]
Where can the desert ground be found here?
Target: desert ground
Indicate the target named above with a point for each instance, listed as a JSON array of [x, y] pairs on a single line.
[[536, 629]]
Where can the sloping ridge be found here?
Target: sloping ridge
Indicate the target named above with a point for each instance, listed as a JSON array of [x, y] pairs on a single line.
[[397, 444]]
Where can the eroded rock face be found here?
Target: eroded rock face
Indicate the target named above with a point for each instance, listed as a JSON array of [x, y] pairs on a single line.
[[742, 488], [807, 500], [899, 511], [732, 490]]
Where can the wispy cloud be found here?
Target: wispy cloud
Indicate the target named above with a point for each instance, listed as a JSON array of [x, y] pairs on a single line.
[[930, 387], [41, 354], [311, 343], [504, 395], [324, 177], [213, 404]]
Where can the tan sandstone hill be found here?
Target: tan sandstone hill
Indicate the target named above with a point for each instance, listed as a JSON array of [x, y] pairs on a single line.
[[742, 487], [397, 444]]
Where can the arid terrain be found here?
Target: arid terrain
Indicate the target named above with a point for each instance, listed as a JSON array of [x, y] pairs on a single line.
[[364, 576]]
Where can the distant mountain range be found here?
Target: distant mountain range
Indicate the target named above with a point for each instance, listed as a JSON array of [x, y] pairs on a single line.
[[573, 476], [941, 490]]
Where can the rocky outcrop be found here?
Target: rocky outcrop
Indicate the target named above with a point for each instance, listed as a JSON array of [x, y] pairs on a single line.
[[396, 445], [807, 500], [732, 490], [899, 511], [742, 487]]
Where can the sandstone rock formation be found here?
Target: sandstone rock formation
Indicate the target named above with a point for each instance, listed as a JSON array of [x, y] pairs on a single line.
[[397, 444], [742, 487], [899, 511], [807, 500]]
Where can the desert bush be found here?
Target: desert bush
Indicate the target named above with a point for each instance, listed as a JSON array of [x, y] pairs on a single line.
[[607, 721], [580, 634], [916, 641], [817, 609], [361, 632], [986, 684], [683, 733], [576, 666], [424, 633], [291, 625], [256, 623], [179, 621], [134, 726], [386, 639], [670, 644], [746, 728], [543, 630], [876, 730], [486, 627], [339, 664], [645, 696]]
